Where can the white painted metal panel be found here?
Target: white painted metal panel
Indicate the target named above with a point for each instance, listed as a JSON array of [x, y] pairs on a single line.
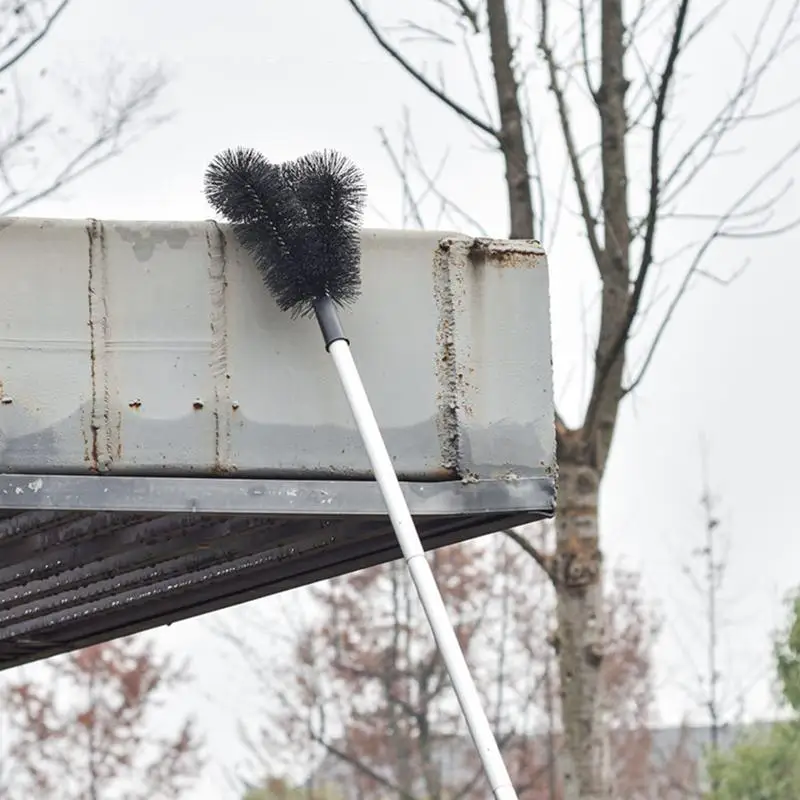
[[152, 348]]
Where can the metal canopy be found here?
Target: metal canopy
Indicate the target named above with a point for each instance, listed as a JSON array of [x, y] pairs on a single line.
[[174, 444], [85, 559]]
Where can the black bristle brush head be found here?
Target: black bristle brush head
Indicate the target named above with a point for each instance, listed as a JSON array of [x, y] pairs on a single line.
[[252, 194], [242, 185], [300, 221], [331, 189]]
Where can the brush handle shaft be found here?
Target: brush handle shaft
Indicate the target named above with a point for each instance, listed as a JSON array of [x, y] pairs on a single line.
[[421, 573], [328, 319]]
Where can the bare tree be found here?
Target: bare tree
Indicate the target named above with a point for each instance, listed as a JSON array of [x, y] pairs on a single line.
[[363, 694], [86, 730], [714, 575], [722, 684], [53, 131], [613, 71]]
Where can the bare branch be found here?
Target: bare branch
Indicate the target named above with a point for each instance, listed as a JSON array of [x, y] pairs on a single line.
[[408, 197], [611, 357], [418, 76], [543, 560], [464, 11], [704, 21], [585, 49], [766, 233], [636, 26], [590, 223], [470, 14], [736, 110], [655, 164], [646, 84], [36, 31], [359, 765], [88, 711], [537, 174], [718, 232], [119, 118], [473, 68], [421, 33], [512, 131], [431, 187]]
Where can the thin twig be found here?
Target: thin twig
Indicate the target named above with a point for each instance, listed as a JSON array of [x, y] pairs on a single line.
[[585, 49], [35, 39], [540, 558], [113, 134], [417, 75], [717, 233], [615, 351], [578, 177], [408, 196]]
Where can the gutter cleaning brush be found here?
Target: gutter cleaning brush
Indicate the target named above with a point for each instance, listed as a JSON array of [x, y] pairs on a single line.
[[301, 222]]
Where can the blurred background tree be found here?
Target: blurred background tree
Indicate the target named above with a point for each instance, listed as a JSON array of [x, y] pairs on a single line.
[[765, 764], [56, 127], [582, 107], [88, 728], [362, 701]]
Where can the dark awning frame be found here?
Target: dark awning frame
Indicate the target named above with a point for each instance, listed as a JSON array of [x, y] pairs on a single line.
[[84, 559]]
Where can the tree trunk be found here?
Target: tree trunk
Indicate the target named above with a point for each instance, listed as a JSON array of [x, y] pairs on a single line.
[[579, 639], [583, 453], [512, 130]]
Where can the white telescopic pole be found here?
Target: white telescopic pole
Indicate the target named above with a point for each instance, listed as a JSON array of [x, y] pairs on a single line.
[[421, 573]]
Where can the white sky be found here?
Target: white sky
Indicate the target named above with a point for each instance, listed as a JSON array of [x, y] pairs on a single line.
[[288, 77]]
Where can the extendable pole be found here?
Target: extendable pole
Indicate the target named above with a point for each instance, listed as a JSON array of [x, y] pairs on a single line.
[[411, 546]]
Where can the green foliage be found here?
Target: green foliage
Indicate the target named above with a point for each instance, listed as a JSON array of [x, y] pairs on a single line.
[[766, 765], [787, 656]]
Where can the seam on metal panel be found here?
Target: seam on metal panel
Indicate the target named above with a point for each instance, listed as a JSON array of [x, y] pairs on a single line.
[[217, 273], [101, 447], [446, 368]]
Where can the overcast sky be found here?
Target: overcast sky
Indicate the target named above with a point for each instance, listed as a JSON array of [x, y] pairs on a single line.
[[289, 77]]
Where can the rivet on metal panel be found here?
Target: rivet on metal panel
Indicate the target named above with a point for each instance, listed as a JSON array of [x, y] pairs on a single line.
[[6, 400], [135, 404], [234, 405], [198, 404]]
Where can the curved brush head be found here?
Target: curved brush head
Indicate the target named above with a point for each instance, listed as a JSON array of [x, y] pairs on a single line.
[[300, 221], [253, 196], [331, 190]]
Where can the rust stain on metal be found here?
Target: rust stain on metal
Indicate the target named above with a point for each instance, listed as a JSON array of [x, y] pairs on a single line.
[[218, 285], [85, 434], [100, 446], [520, 254], [434, 474], [455, 254], [446, 368]]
